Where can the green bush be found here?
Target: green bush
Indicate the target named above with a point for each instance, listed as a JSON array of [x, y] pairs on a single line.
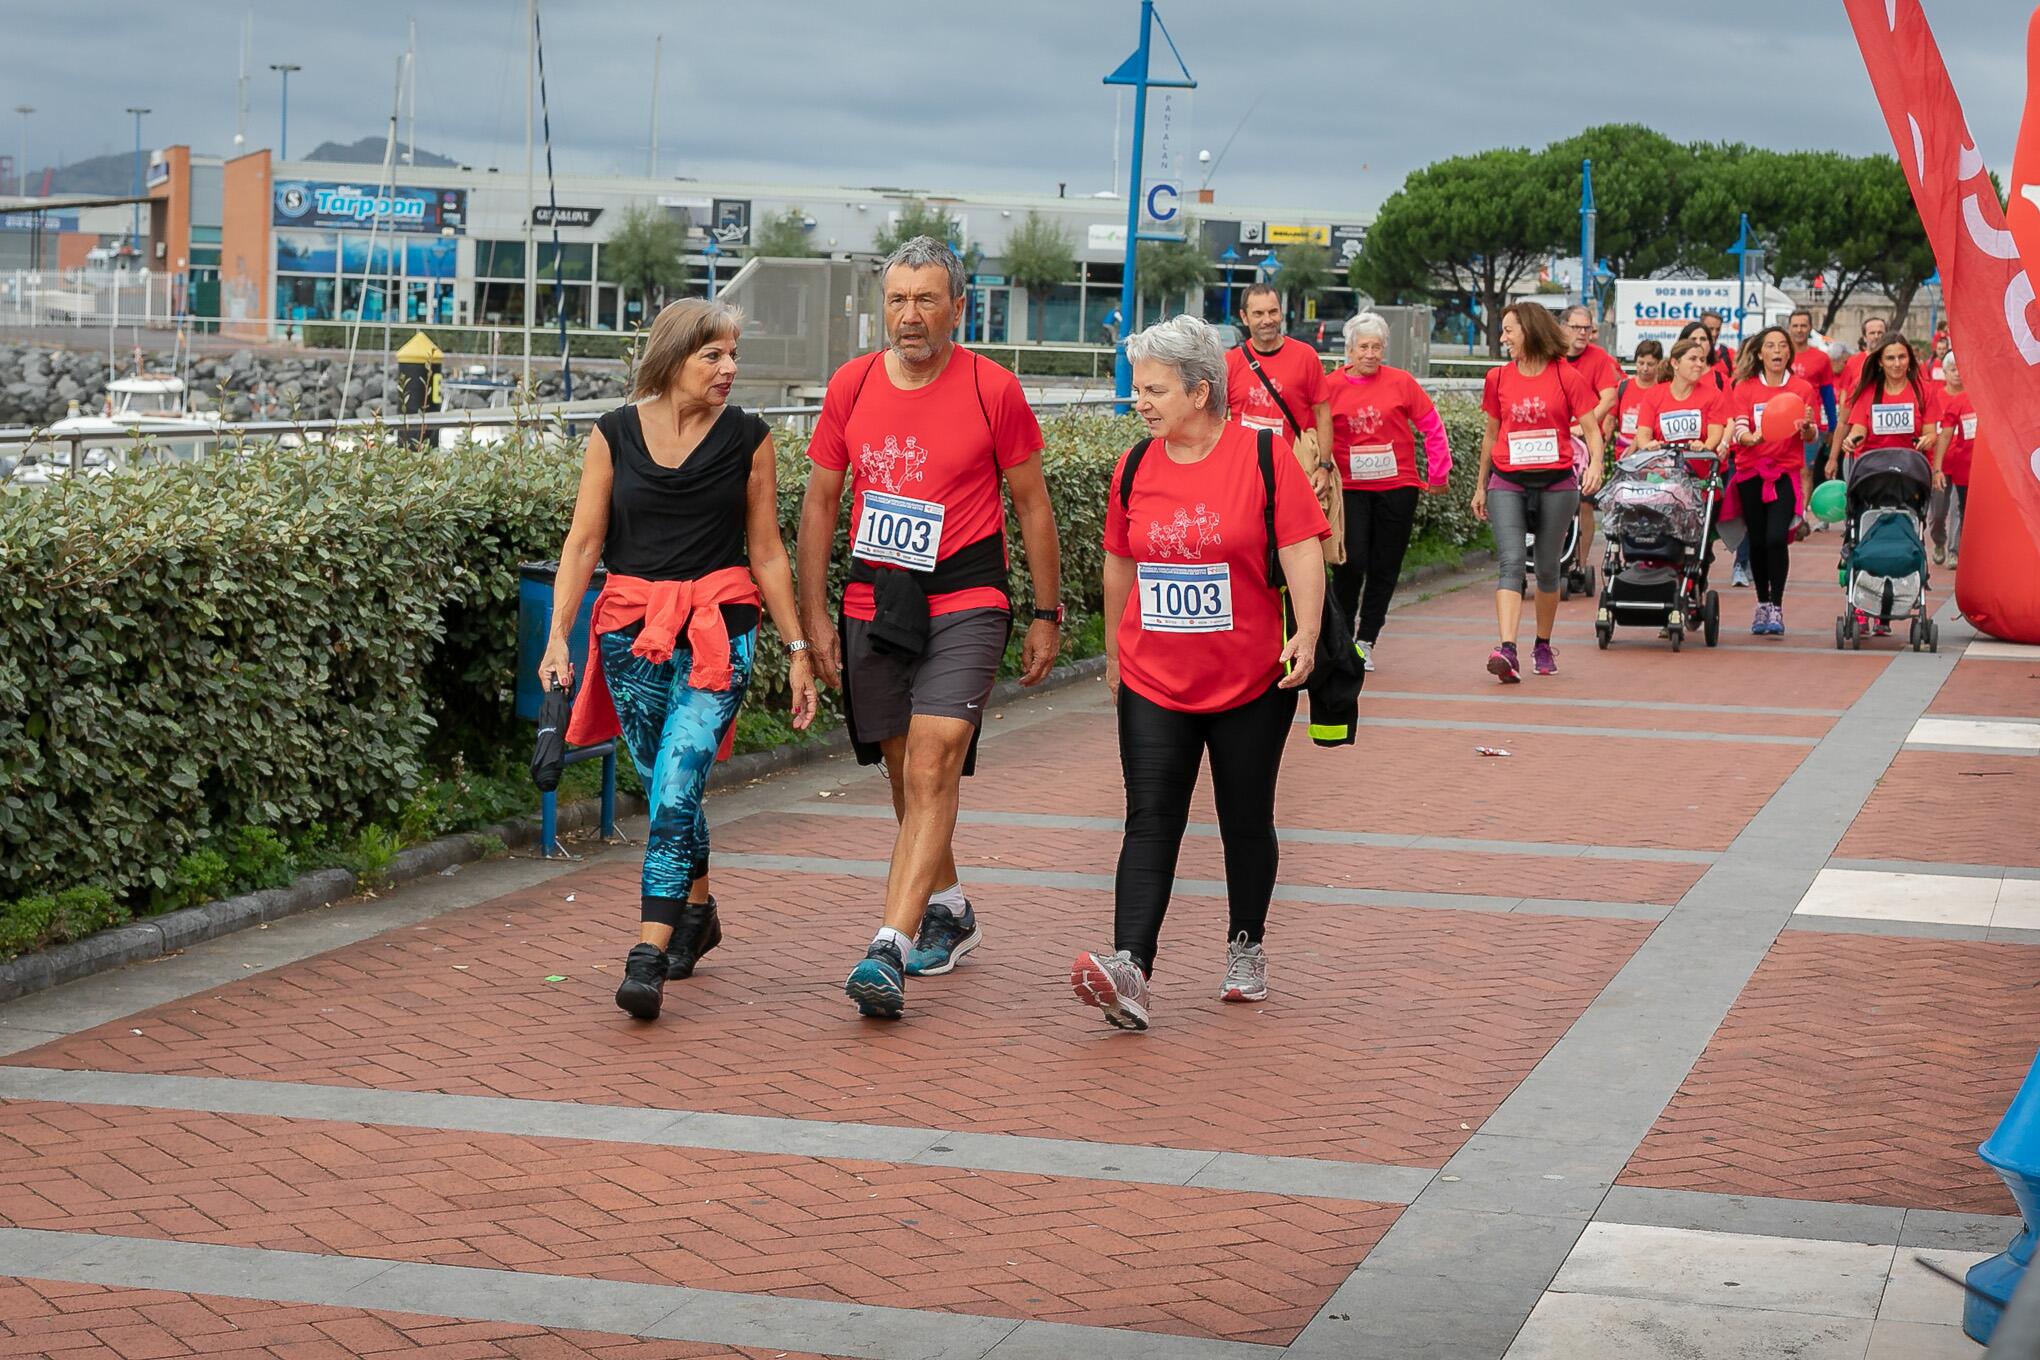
[[258, 858], [45, 919], [201, 876]]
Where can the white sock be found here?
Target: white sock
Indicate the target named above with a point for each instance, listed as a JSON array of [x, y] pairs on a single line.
[[887, 935], [950, 897]]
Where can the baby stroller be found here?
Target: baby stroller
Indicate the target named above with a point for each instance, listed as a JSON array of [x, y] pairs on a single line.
[[1657, 509], [1884, 552]]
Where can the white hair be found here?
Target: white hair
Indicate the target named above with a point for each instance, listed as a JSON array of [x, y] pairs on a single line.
[[1188, 344], [1368, 324], [919, 253]]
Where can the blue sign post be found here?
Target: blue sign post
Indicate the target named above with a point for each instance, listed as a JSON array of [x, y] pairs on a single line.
[[714, 251], [1588, 215], [1134, 71], [1229, 258], [1743, 250]]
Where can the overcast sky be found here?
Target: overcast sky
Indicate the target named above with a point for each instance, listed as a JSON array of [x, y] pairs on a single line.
[[985, 96]]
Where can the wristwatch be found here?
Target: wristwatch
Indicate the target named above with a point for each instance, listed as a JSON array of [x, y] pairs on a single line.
[[1324, 466], [1044, 615], [797, 646]]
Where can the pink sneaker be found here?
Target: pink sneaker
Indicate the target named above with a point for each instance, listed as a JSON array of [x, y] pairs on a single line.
[[1546, 659], [1501, 664]]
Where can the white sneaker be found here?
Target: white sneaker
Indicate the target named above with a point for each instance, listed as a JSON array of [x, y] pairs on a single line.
[[1740, 576], [1367, 655], [1246, 971], [1115, 985]]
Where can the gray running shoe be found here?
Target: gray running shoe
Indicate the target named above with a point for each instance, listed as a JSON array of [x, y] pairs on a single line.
[[1115, 985], [1246, 971]]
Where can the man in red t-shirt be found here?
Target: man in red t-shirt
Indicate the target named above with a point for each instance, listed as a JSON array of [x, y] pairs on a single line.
[[1811, 365], [923, 431], [1604, 377], [1299, 402], [1852, 367]]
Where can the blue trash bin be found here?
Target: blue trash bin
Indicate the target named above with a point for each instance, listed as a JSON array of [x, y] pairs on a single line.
[[2013, 1151], [534, 629]]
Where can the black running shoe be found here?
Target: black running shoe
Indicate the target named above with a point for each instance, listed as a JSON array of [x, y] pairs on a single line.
[[945, 938], [644, 982], [698, 931]]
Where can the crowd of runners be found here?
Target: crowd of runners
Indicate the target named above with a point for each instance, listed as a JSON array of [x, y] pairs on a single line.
[[1258, 471]]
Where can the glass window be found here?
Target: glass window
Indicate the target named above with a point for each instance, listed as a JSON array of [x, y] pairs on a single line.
[[209, 236], [500, 304], [305, 299], [366, 303], [355, 255], [205, 255], [1053, 316], [433, 259], [303, 252], [499, 259], [571, 299], [577, 261]]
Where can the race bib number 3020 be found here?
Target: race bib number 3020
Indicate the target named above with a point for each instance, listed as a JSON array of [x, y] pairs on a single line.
[[1372, 463], [1533, 448], [1185, 599], [899, 531]]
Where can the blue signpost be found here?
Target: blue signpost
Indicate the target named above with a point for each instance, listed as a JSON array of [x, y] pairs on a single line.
[[1229, 258], [1134, 71], [1587, 219], [713, 250]]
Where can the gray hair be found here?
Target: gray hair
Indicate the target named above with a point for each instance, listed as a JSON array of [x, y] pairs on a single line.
[[1578, 309], [1367, 324], [919, 253], [1188, 344]]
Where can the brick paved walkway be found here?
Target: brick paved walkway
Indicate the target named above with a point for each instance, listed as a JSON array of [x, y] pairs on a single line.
[[1525, 1010]]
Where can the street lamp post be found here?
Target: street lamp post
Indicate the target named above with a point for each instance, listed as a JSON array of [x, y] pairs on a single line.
[[1229, 257], [21, 159], [135, 226], [284, 68], [714, 252]]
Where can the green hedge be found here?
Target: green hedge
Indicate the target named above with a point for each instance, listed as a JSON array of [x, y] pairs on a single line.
[[221, 670]]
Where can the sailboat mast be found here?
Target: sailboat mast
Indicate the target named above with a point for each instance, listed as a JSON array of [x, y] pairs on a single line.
[[530, 177], [652, 161], [411, 56]]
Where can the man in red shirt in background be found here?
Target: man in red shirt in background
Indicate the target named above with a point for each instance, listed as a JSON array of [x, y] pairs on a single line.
[[1275, 382], [1604, 376], [1852, 367], [1811, 365]]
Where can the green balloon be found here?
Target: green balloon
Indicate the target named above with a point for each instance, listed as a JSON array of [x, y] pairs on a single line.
[[1829, 502]]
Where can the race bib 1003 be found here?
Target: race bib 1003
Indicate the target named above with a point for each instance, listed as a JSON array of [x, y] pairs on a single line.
[[1185, 599], [1893, 418], [899, 531], [1679, 427], [1533, 448], [1374, 463]]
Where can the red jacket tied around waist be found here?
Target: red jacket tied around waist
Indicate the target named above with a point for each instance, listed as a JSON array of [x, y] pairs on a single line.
[[666, 608]]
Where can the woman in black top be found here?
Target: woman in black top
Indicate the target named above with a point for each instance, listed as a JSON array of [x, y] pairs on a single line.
[[679, 500]]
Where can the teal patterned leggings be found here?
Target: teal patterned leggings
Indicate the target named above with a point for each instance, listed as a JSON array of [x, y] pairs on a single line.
[[672, 731]]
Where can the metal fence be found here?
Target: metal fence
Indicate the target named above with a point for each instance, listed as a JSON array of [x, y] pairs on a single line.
[[82, 297]]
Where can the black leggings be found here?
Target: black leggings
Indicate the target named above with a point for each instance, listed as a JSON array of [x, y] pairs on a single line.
[[1378, 525], [1770, 536], [1160, 750]]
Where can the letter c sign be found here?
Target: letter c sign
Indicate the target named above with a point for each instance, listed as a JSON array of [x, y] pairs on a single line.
[[1162, 198]]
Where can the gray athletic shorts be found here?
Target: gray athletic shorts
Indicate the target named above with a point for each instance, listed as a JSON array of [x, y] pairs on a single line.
[[952, 679]]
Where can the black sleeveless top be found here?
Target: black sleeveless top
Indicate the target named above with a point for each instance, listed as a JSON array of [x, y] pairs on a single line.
[[677, 524]]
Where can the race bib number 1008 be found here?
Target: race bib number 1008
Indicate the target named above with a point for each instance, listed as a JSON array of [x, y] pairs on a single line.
[[1185, 599], [899, 531], [1891, 418]]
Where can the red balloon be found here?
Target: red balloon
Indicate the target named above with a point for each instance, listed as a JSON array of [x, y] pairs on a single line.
[[1782, 415]]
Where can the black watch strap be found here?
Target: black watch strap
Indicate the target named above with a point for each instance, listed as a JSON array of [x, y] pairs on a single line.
[[1043, 615]]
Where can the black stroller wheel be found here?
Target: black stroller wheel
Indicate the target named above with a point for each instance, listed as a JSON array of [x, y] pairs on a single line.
[[1710, 619]]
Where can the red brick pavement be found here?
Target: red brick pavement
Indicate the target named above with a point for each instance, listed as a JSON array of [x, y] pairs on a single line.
[[1952, 808], [1248, 1267], [1570, 789], [1303, 862], [64, 1321], [1392, 1033], [1991, 688], [1856, 1069], [1643, 715]]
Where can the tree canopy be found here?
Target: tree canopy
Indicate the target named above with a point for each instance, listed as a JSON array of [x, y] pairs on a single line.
[[1039, 255], [917, 219], [643, 256], [784, 237]]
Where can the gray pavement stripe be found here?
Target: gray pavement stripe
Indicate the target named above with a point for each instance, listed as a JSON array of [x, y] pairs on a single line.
[[1571, 730], [1927, 866], [1205, 887], [1496, 1208], [1626, 705], [1302, 835], [1881, 1225], [1299, 1177], [1917, 930], [662, 1312]]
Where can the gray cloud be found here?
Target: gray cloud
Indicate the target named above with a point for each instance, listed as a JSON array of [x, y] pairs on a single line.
[[999, 97]]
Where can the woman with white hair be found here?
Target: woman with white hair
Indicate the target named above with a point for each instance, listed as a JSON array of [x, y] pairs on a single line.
[[1390, 447], [1203, 521]]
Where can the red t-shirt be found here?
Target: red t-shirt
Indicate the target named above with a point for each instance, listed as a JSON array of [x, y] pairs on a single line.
[[1673, 421], [1628, 401], [1899, 419], [1852, 369], [1813, 367], [1298, 374], [1187, 521], [1534, 414], [946, 443], [1958, 418], [1373, 433], [1748, 401], [1599, 368]]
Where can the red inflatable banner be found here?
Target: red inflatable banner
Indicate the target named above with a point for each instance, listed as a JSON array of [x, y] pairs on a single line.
[[1989, 293]]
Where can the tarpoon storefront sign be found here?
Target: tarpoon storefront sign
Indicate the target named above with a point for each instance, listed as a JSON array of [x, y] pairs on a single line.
[[311, 203]]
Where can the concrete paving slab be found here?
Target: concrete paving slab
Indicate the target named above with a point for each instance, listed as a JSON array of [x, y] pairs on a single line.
[[1597, 1327], [1720, 1270]]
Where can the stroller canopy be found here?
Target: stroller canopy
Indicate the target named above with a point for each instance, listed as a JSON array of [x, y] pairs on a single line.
[[1908, 464]]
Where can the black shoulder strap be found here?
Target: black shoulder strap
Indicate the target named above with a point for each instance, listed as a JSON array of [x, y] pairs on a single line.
[[1247, 348], [1621, 390], [1264, 442], [1133, 457]]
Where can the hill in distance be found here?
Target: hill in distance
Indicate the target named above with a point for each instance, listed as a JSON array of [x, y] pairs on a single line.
[[369, 151], [114, 174]]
